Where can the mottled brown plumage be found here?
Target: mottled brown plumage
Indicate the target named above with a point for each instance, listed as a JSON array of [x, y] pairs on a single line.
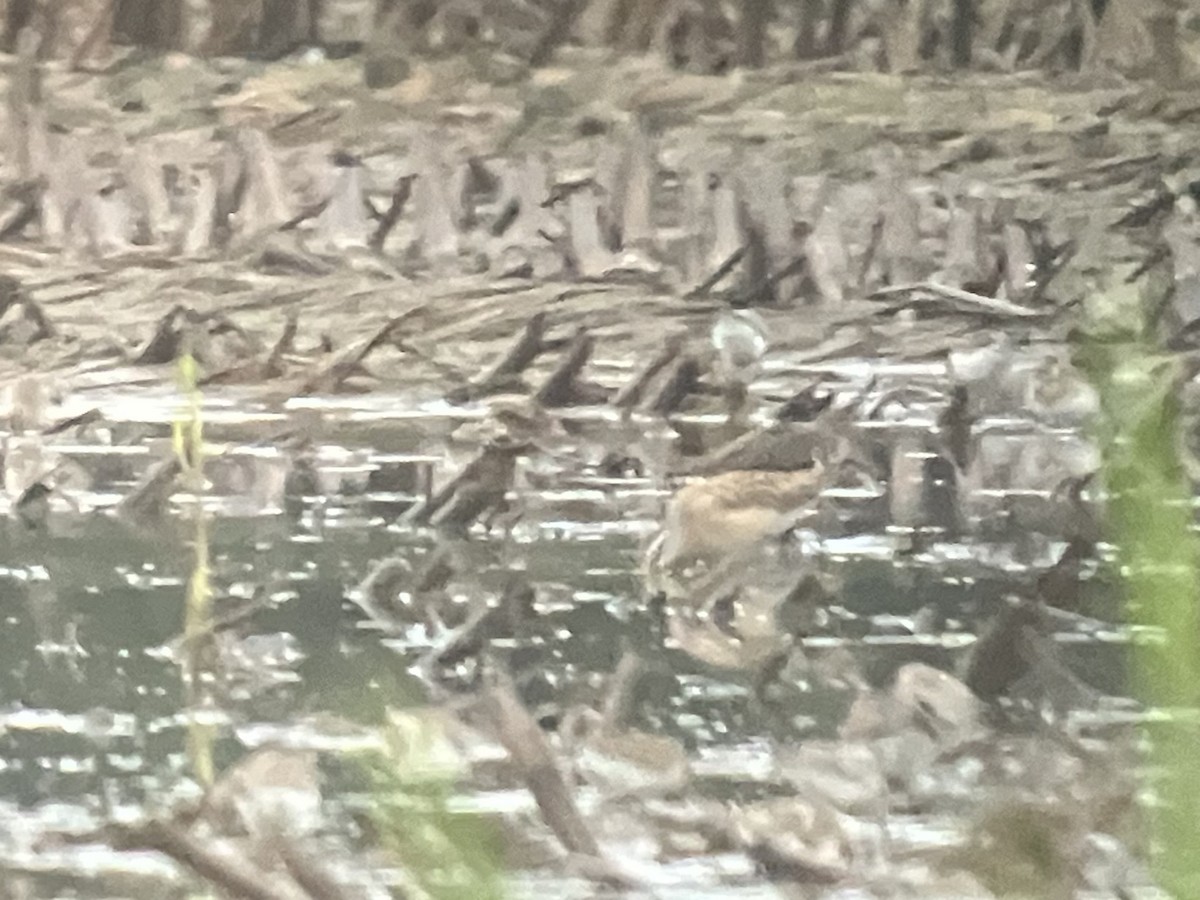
[[725, 514], [480, 488]]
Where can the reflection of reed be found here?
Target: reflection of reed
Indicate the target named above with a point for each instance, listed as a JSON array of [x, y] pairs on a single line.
[[188, 439]]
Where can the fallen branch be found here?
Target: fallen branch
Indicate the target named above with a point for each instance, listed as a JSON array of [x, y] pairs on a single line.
[[257, 371], [530, 343], [561, 388], [395, 210], [681, 379], [329, 379], [521, 736], [309, 212], [992, 306], [164, 344], [234, 873], [628, 396], [721, 271]]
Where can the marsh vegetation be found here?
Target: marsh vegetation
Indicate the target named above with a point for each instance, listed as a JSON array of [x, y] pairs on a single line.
[[675, 450]]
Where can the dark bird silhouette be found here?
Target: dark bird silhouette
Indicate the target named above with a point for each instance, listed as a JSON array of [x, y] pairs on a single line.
[[478, 489], [805, 405]]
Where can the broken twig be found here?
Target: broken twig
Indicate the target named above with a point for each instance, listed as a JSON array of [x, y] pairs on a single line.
[[971, 302]]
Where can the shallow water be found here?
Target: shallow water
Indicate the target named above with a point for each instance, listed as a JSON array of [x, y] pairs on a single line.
[[91, 696]]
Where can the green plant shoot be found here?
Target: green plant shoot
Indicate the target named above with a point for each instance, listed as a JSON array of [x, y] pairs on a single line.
[[450, 855], [1151, 521], [187, 434]]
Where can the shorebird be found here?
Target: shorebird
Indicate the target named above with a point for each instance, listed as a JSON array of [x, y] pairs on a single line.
[[722, 515], [987, 358], [1057, 395], [755, 487], [737, 578], [740, 339], [479, 490], [710, 521]]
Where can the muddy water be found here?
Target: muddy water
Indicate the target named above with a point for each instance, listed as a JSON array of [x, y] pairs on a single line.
[[91, 691]]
